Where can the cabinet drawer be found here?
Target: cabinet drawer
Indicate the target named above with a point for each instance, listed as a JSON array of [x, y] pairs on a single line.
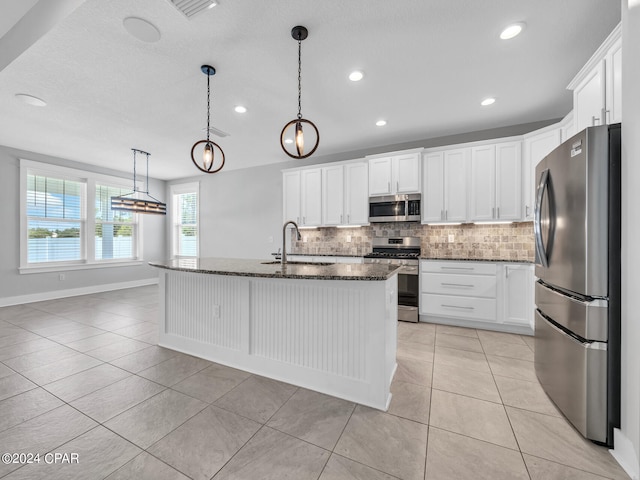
[[462, 307], [455, 284], [474, 268]]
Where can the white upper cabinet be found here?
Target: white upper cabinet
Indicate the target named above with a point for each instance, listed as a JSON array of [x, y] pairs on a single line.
[[333, 195], [589, 99], [444, 198], [327, 196], [456, 174], [496, 182], [356, 194], [537, 145], [483, 183], [406, 169], [291, 196], [395, 174], [433, 188], [613, 92], [597, 87], [311, 197], [509, 181], [380, 173]]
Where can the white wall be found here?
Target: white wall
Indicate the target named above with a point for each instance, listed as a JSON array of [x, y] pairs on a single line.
[[13, 284], [627, 445]]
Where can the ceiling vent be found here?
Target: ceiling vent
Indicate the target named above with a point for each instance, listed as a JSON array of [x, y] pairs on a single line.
[[189, 8], [215, 131]]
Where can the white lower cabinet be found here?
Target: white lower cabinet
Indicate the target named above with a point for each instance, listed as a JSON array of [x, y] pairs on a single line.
[[518, 298], [487, 295]]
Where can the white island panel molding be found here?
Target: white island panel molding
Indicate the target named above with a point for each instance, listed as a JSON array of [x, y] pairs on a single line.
[[333, 336]]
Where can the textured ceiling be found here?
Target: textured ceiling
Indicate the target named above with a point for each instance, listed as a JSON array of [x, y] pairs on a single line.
[[427, 65]]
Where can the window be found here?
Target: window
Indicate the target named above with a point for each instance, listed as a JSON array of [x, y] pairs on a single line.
[[115, 230], [55, 219], [184, 213], [67, 221]]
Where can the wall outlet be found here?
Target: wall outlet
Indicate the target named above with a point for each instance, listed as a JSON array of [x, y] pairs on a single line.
[[348, 238], [61, 276], [304, 239], [451, 238]]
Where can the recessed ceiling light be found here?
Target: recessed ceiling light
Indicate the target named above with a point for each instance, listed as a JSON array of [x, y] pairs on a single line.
[[31, 100], [488, 101], [213, 4], [240, 109], [141, 29], [288, 140], [512, 31], [381, 123], [356, 76]]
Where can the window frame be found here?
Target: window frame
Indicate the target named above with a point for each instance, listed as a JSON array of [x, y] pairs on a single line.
[[175, 190], [134, 224], [88, 223]]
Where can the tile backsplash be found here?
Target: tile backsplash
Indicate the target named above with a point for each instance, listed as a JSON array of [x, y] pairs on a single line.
[[512, 241]]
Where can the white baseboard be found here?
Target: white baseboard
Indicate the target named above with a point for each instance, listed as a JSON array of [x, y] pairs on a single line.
[[625, 454], [73, 292]]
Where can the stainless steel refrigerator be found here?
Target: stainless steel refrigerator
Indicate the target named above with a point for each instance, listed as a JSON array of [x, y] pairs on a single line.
[[577, 246]]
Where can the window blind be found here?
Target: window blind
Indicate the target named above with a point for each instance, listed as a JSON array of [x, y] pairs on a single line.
[[186, 226], [54, 219], [115, 230]]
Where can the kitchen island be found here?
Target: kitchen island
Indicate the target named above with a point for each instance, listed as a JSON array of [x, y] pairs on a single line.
[[327, 327]]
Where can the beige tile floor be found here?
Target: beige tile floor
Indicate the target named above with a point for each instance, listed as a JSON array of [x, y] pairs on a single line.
[[83, 375]]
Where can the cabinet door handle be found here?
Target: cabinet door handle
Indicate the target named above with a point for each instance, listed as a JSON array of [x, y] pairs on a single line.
[[348, 218], [526, 211], [493, 212], [446, 214], [506, 271], [389, 187], [498, 209], [457, 268], [593, 120], [607, 116], [441, 214], [397, 186], [304, 220], [456, 285], [456, 306], [340, 218]]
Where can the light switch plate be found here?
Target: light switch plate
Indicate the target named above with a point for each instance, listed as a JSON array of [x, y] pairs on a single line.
[[451, 238]]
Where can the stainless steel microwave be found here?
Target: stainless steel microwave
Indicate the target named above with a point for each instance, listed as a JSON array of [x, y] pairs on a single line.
[[395, 208]]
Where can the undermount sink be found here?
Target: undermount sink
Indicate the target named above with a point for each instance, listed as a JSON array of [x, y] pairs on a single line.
[[319, 264]]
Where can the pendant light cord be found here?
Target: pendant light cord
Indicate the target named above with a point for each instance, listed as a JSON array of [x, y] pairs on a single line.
[[299, 77], [208, 103], [147, 184], [135, 187]]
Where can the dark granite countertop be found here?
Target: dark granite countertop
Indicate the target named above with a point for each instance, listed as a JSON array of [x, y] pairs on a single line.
[[485, 260], [257, 268]]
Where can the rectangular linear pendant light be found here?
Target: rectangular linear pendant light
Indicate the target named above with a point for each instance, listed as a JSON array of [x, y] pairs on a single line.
[[129, 203]]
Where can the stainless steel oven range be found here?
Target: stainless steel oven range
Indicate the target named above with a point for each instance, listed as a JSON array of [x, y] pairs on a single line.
[[405, 252]]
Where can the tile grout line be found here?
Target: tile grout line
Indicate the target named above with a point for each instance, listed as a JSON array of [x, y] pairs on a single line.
[[504, 408]]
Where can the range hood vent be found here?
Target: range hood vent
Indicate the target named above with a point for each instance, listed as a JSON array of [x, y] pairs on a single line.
[[189, 8]]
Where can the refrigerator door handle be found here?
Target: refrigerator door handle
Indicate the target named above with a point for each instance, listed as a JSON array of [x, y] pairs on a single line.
[[537, 221]]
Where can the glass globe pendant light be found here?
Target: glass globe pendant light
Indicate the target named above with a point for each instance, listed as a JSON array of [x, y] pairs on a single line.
[[299, 124], [205, 164]]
